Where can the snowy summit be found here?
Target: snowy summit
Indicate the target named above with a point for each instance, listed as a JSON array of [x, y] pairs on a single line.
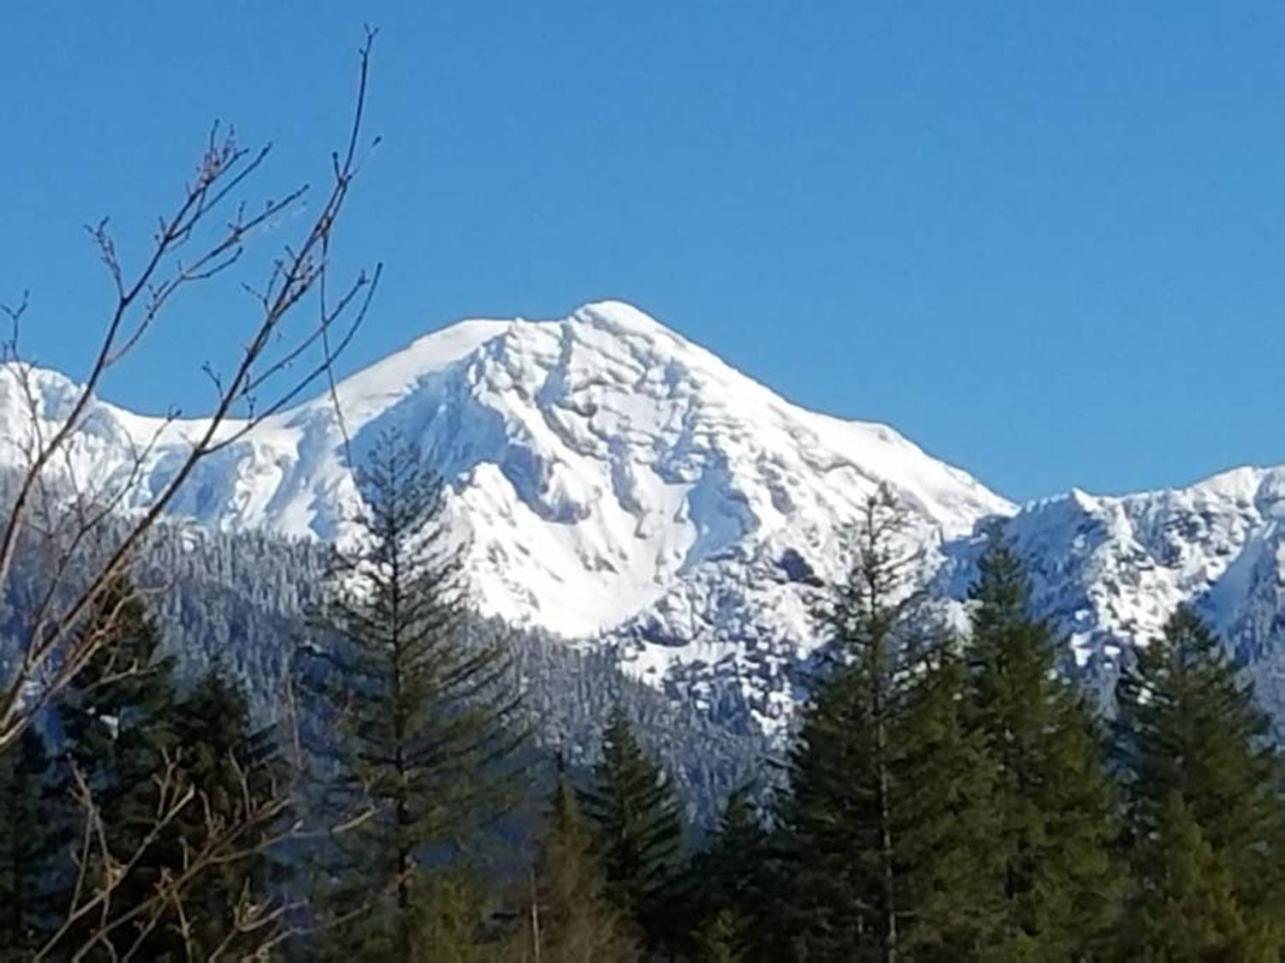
[[616, 482]]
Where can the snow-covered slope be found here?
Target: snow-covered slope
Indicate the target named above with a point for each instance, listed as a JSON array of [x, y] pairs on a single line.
[[1109, 570], [621, 485], [606, 471]]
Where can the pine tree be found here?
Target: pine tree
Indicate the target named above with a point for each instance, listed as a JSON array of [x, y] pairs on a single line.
[[635, 813], [943, 822], [884, 825], [1059, 894], [117, 722], [28, 857], [421, 722], [720, 939], [1205, 822], [125, 731], [570, 919], [729, 883], [240, 784], [451, 910], [117, 716], [1190, 910]]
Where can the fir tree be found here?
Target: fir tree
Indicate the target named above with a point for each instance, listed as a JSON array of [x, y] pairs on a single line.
[[634, 811], [452, 909], [729, 883], [240, 785], [28, 856], [1190, 910], [943, 822], [1204, 818], [125, 730], [571, 920], [1058, 890], [721, 939], [117, 721], [883, 838], [420, 720]]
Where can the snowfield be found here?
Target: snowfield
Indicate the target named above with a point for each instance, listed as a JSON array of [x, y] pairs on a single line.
[[622, 486]]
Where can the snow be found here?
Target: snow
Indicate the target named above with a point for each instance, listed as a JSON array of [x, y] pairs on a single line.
[[1109, 570], [623, 486]]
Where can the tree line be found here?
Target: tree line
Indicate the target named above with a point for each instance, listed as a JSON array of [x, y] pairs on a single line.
[[946, 793]]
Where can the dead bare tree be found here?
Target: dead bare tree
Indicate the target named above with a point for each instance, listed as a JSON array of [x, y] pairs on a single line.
[[87, 531]]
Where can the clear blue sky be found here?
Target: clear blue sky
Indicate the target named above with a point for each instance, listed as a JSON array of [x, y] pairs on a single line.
[[1046, 241]]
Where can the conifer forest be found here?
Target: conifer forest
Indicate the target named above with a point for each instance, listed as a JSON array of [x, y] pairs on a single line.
[[323, 674]]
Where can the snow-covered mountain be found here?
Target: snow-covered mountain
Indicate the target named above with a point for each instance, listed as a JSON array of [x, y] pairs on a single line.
[[621, 485], [1109, 570]]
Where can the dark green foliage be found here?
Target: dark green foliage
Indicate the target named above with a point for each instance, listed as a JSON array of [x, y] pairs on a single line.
[[1058, 889], [942, 821], [568, 690], [241, 786], [117, 719], [571, 919], [420, 717], [946, 802], [829, 886], [635, 813], [1189, 909], [141, 752], [27, 846], [884, 829], [117, 715], [729, 883], [1204, 818], [721, 939], [237, 599]]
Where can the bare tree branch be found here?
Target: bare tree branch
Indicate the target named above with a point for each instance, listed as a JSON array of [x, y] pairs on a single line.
[[89, 547]]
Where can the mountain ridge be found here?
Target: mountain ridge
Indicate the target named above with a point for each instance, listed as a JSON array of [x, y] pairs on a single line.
[[620, 485]]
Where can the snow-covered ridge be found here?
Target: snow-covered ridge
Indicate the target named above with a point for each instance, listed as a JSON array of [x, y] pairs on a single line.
[[621, 485], [594, 460], [1110, 570]]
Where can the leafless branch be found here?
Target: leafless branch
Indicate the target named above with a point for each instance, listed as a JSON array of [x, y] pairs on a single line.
[[205, 235]]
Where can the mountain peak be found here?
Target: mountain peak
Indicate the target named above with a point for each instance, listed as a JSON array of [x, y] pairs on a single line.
[[621, 318], [601, 450], [617, 483]]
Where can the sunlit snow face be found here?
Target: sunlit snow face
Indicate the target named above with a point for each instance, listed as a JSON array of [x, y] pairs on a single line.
[[614, 481]]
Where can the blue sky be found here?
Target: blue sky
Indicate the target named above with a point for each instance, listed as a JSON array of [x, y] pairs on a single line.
[[1046, 241]]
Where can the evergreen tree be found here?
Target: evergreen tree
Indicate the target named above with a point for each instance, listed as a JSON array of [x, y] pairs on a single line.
[[1205, 822], [28, 857], [117, 722], [1058, 889], [634, 811], [721, 939], [125, 731], [1190, 910], [420, 721], [452, 910], [943, 822], [729, 883], [883, 841], [571, 919], [240, 785]]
